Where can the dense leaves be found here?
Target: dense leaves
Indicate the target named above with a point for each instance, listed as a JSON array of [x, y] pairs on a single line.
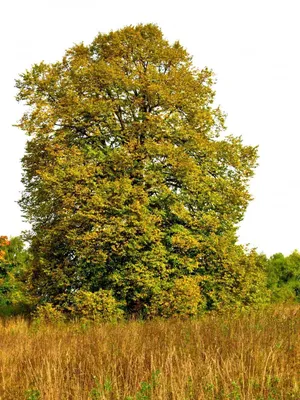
[[14, 262], [130, 183], [5, 286], [4, 242], [284, 277]]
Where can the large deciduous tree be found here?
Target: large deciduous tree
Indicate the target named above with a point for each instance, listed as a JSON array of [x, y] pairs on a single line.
[[130, 183]]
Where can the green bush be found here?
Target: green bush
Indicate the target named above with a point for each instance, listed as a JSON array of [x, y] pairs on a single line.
[[182, 298], [283, 277], [48, 314], [100, 306]]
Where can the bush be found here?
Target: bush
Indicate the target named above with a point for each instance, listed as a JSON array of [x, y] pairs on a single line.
[[99, 306], [284, 277], [182, 299], [48, 313]]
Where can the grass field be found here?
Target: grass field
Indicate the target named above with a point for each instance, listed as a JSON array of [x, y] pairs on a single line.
[[251, 356]]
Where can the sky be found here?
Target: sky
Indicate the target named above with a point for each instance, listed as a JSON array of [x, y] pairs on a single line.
[[251, 45]]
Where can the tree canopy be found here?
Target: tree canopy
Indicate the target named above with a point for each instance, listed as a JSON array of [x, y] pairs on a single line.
[[131, 185]]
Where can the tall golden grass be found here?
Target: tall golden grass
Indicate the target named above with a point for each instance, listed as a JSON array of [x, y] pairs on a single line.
[[250, 356]]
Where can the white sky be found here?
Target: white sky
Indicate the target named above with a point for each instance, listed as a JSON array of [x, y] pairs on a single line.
[[252, 46]]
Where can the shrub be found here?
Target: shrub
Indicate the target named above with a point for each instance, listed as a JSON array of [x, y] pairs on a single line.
[[182, 298], [48, 313], [99, 306]]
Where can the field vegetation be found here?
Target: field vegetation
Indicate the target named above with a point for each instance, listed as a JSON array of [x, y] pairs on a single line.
[[254, 355]]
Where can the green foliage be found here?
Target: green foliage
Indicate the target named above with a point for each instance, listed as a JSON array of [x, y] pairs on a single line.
[[146, 388], [13, 266], [99, 391], [48, 314], [5, 286], [99, 306], [242, 282], [284, 277], [32, 394], [181, 298], [130, 182]]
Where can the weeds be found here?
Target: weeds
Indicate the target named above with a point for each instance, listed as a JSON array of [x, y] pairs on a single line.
[[216, 357], [99, 391], [32, 394]]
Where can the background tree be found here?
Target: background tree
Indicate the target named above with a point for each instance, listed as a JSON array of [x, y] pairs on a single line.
[[4, 242], [14, 262], [4, 270], [130, 183], [284, 277]]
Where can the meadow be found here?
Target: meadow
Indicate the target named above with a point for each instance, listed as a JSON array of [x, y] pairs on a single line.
[[254, 355]]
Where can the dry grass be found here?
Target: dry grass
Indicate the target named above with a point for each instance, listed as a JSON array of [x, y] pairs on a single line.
[[252, 356]]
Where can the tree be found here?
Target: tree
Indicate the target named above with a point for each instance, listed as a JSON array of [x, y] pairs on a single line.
[[4, 242], [14, 260], [4, 268], [284, 277], [130, 182]]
